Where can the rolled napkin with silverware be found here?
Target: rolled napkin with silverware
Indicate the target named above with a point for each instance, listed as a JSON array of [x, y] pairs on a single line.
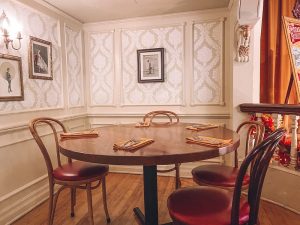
[[79, 134], [208, 141], [200, 127], [132, 144]]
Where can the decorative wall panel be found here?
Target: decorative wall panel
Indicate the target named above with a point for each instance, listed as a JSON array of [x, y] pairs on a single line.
[[208, 63], [38, 94], [170, 92], [101, 68], [74, 67]]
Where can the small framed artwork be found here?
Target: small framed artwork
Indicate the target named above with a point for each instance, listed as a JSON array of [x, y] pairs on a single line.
[[292, 34], [11, 78], [150, 65], [40, 59]]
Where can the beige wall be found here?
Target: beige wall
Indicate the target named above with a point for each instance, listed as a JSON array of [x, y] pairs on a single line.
[[182, 91], [23, 174], [95, 90]]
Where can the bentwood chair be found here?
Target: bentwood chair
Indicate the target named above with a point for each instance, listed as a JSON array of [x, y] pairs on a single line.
[[225, 176], [172, 119], [217, 206], [73, 174]]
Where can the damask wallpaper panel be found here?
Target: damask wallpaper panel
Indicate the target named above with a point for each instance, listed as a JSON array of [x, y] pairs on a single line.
[[170, 92], [101, 68], [38, 94], [74, 67], [207, 82]]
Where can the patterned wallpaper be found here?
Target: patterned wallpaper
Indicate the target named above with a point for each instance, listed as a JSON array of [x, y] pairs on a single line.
[[169, 92], [208, 67], [74, 70], [101, 68], [38, 94]]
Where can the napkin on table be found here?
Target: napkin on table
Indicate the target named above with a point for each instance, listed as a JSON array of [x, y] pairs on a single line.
[[199, 127], [208, 141], [81, 134], [132, 144]]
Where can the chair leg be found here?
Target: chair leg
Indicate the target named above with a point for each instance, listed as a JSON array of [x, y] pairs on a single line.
[[51, 194], [55, 201], [90, 203], [104, 199], [73, 200], [177, 177]]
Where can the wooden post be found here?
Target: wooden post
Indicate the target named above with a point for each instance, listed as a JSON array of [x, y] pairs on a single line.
[[293, 155]]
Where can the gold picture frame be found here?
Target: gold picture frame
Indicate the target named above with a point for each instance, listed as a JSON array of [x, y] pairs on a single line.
[[11, 78], [40, 59], [292, 34]]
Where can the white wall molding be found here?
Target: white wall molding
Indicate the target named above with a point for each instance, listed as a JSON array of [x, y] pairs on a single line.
[[18, 133], [160, 19], [58, 11], [140, 115], [208, 76], [22, 200], [170, 92], [31, 110], [153, 26], [281, 205], [74, 69], [185, 168], [101, 68], [24, 125]]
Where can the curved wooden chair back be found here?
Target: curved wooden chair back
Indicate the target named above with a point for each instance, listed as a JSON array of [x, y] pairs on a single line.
[[260, 157], [53, 124], [172, 119], [171, 116], [255, 133]]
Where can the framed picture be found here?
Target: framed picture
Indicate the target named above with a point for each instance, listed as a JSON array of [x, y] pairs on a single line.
[[292, 34], [11, 78], [150, 65], [40, 59]]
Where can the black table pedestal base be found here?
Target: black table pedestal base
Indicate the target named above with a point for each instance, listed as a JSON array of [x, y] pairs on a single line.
[[150, 198], [139, 215]]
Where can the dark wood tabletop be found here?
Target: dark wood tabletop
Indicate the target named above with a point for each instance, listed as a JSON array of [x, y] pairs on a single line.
[[169, 145]]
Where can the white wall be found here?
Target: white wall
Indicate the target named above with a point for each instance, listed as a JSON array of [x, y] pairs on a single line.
[[23, 174], [197, 80], [202, 84]]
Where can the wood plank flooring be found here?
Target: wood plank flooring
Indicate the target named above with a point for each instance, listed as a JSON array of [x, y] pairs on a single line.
[[124, 192]]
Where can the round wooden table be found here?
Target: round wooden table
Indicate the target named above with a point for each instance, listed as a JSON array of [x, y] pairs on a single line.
[[169, 147]]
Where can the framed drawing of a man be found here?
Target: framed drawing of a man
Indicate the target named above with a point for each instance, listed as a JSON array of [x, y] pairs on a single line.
[[40, 59], [150, 65], [11, 78]]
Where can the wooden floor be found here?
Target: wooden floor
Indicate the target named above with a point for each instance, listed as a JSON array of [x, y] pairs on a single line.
[[125, 192]]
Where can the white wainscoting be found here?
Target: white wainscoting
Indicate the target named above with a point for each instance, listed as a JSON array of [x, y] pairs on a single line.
[[24, 175]]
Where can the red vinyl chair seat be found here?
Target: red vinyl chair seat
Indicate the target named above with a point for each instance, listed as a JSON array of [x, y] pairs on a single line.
[[78, 171], [204, 205], [217, 175]]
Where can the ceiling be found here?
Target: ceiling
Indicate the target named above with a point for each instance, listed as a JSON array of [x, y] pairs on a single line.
[[88, 11]]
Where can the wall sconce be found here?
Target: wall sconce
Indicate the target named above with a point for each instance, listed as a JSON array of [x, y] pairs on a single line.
[[4, 28]]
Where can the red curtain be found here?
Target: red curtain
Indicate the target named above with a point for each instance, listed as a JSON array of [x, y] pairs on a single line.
[[275, 69]]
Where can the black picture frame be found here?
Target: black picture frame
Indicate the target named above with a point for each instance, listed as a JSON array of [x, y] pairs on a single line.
[[150, 65], [40, 59]]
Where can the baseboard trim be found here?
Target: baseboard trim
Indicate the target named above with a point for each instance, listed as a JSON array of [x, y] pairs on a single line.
[[22, 200], [185, 168], [281, 205]]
